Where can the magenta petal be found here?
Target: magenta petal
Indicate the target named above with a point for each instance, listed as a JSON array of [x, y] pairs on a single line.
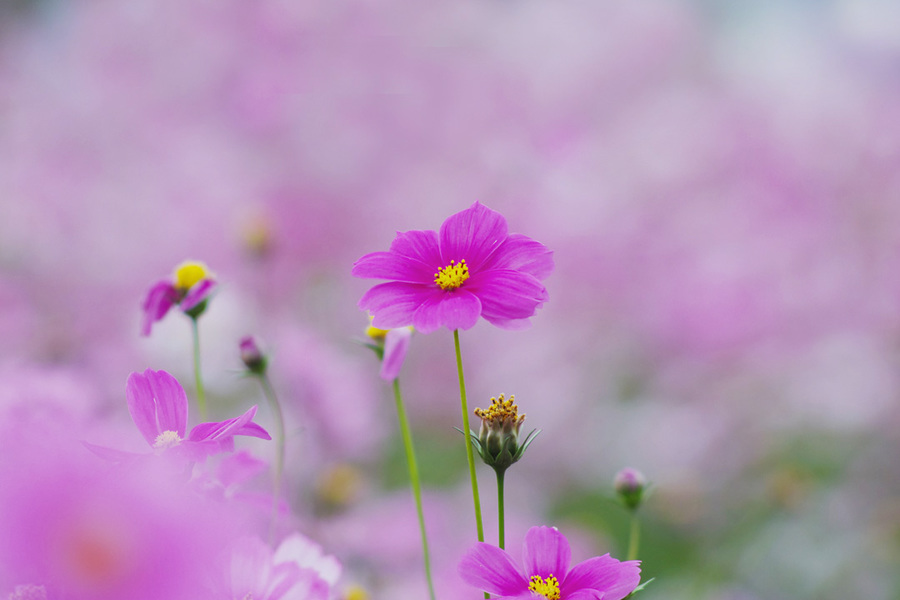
[[197, 294], [388, 265], [546, 553], [458, 309], [605, 574], [157, 403], [507, 295], [492, 570], [253, 430], [585, 595], [521, 253], [394, 303], [396, 344], [472, 234], [421, 246], [160, 298]]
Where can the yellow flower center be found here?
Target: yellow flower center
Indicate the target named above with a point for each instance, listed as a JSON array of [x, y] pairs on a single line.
[[501, 410], [356, 592], [548, 588], [166, 439], [188, 273], [453, 275]]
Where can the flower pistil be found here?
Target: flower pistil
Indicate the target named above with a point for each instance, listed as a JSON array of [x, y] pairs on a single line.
[[548, 587], [453, 275]]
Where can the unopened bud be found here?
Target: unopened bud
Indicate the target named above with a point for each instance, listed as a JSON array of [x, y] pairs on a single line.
[[252, 356], [630, 485]]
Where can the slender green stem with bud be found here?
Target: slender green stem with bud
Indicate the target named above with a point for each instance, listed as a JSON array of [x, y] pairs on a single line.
[[201, 394], [414, 480], [501, 530], [634, 538], [470, 454], [269, 392]]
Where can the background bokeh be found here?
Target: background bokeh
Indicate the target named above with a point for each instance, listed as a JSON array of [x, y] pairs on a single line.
[[719, 182]]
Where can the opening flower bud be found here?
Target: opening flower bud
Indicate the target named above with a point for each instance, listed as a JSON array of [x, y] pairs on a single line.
[[497, 441], [252, 356]]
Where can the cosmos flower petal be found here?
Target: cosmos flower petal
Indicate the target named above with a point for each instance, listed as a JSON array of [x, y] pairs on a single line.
[[197, 294], [393, 304], [219, 430], [472, 234], [157, 403], [388, 265], [250, 568], [492, 570], [507, 295], [253, 430], [396, 345], [585, 595], [614, 578], [458, 310], [521, 253], [160, 298], [546, 552]]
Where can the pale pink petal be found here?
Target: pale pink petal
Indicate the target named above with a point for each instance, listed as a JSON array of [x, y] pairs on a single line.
[[614, 578], [546, 553], [220, 430], [396, 345], [492, 570], [157, 403], [458, 309], [250, 568], [393, 304], [472, 234], [521, 253]]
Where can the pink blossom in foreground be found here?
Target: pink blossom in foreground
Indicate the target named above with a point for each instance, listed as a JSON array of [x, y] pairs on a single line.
[[546, 556], [81, 530], [473, 267]]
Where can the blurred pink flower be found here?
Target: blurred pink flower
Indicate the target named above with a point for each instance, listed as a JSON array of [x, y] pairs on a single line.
[[83, 531], [473, 268], [297, 570], [546, 555], [159, 408]]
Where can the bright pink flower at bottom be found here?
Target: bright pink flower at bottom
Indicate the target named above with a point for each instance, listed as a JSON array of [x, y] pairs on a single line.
[[547, 573]]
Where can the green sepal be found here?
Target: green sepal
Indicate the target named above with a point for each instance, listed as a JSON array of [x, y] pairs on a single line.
[[639, 588]]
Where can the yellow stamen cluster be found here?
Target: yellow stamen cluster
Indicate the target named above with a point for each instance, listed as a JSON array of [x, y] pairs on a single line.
[[501, 411], [356, 592], [548, 588], [452, 276], [189, 273]]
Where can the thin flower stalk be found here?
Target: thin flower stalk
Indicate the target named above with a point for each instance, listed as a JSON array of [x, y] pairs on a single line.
[[634, 537], [198, 379], [272, 398], [501, 530], [470, 454], [414, 480]]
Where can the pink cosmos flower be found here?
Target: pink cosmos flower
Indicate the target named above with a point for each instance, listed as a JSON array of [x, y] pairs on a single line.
[[547, 575], [159, 408], [473, 267], [189, 288]]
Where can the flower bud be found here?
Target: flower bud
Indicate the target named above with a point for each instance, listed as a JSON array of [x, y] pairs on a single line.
[[497, 441], [252, 356], [630, 485]]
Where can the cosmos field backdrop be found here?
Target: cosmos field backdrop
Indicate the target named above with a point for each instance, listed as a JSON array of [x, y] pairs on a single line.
[[720, 185]]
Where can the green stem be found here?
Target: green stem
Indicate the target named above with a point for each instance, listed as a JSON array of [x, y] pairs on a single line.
[[501, 534], [414, 480], [470, 455], [634, 539], [201, 394], [279, 447]]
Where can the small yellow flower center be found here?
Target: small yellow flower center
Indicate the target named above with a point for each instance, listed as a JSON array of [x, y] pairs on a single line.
[[188, 273], [501, 410], [356, 592], [548, 588], [167, 439], [453, 275]]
